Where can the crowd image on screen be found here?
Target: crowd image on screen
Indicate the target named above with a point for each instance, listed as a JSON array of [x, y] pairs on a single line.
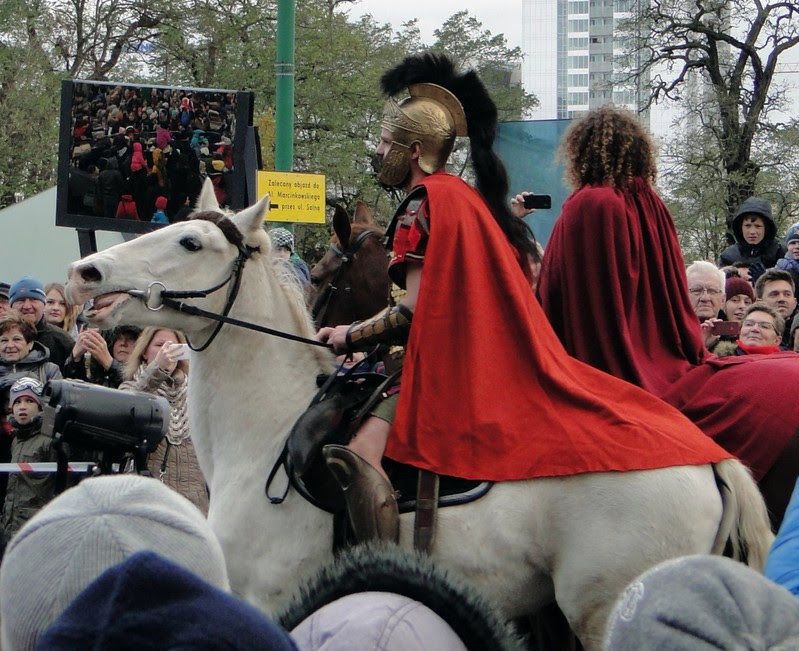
[[142, 153]]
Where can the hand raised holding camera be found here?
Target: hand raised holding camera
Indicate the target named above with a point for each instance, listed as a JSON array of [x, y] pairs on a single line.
[[168, 356]]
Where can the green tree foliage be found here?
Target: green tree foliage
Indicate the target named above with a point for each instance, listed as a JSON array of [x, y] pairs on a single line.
[[231, 44], [29, 106]]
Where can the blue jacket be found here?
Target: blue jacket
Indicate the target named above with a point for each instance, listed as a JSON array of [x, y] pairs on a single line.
[[159, 217], [782, 565]]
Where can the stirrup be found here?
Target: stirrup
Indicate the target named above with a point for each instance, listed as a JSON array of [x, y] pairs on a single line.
[[371, 504]]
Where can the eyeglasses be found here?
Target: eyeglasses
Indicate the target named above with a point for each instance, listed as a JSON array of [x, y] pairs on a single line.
[[763, 325], [698, 291]]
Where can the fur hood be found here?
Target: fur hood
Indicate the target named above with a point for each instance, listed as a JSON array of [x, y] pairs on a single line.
[[394, 579]]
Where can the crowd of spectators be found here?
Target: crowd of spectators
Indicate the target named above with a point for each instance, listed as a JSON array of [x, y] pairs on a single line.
[[745, 305], [142, 153], [44, 337]]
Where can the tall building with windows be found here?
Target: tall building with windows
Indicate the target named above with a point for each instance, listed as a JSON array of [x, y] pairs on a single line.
[[572, 53]]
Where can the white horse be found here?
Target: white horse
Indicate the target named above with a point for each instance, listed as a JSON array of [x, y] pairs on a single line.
[[577, 539]]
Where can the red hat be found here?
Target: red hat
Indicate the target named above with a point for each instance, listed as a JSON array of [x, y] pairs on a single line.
[[160, 203], [737, 285]]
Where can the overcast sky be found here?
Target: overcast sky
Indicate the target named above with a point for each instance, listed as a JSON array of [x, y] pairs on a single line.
[[500, 16]]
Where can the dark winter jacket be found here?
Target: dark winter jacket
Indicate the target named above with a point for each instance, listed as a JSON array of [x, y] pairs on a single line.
[[36, 364], [377, 597], [760, 256], [110, 185], [76, 370], [28, 492], [57, 342]]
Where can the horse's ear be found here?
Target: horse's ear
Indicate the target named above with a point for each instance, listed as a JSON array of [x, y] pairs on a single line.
[[251, 219], [207, 199], [341, 226], [363, 214]]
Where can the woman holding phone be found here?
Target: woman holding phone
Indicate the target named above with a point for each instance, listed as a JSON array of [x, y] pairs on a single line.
[[159, 365], [721, 336]]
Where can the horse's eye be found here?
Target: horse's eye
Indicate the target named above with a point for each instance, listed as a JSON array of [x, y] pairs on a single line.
[[191, 243]]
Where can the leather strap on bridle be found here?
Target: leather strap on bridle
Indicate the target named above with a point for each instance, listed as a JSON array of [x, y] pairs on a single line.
[[171, 299], [322, 304]]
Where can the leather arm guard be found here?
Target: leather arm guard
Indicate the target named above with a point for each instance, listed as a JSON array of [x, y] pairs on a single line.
[[391, 326]]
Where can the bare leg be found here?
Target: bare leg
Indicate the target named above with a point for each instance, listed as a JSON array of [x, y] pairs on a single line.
[[369, 442]]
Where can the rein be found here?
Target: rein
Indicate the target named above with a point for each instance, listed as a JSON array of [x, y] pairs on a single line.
[[322, 305], [171, 299]]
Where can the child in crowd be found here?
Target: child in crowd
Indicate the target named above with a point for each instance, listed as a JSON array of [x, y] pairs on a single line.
[[27, 492], [159, 216]]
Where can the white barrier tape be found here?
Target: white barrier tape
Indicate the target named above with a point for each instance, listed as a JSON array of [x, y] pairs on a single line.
[[45, 466]]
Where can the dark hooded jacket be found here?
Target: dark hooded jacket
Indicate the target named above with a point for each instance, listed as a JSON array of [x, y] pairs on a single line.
[[36, 364], [111, 377], [27, 492], [58, 342], [760, 256]]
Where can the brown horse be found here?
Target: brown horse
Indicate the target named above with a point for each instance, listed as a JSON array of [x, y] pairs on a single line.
[[352, 277]]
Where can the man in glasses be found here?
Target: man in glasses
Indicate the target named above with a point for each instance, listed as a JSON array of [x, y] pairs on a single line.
[[706, 287]]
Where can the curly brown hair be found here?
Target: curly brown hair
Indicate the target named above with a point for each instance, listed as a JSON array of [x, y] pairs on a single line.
[[607, 147]]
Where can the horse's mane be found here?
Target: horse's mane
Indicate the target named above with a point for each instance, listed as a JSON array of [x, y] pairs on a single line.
[[286, 279]]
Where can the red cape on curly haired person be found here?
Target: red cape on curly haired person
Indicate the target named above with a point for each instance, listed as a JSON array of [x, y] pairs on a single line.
[[614, 288]]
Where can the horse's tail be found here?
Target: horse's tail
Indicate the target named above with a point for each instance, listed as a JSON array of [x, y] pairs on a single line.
[[744, 520]]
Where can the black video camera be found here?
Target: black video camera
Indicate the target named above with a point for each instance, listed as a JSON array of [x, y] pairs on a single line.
[[116, 424]]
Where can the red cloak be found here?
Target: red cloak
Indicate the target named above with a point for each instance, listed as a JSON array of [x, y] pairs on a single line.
[[614, 288], [488, 392]]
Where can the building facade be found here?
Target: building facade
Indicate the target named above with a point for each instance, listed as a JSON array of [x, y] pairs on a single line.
[[574, 56]]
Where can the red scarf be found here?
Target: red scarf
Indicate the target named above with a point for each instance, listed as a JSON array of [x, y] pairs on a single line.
[[488, 392], [757, 350]]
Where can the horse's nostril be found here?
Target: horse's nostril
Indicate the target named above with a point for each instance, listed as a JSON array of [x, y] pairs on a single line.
[[315, 281], [90, 274]]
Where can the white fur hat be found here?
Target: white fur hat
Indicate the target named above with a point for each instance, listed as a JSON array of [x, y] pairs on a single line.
[[87, 530]]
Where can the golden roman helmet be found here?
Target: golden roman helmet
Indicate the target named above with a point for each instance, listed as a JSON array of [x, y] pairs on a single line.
[[431, 116]]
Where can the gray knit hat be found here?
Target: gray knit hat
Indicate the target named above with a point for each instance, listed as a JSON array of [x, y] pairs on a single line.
[[87, 530], [701, 603], [282, 237]]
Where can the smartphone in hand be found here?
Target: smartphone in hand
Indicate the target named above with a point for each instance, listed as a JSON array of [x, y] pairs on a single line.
[[727, 328], [183, 351], [538, 201]]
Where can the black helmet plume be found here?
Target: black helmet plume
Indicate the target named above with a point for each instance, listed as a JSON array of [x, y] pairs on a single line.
[[481, 119]]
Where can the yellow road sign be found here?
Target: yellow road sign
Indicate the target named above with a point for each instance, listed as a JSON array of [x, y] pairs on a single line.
[[293, 197]]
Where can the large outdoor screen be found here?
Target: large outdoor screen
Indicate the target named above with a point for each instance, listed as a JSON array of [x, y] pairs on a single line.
[[133, 157]]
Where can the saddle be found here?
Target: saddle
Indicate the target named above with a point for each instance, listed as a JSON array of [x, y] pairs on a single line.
[[344, 399]]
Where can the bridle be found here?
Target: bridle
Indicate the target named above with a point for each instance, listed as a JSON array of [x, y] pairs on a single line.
[[173, 299], [322, 304]]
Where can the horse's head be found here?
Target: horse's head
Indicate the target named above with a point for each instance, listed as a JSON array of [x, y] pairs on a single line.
[[345, 276], [198, 254], [344, 233]]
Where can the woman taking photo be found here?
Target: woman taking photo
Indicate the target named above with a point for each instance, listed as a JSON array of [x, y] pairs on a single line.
[[157, 366]]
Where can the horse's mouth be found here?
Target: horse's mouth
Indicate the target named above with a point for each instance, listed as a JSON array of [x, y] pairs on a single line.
[[105, 305]]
